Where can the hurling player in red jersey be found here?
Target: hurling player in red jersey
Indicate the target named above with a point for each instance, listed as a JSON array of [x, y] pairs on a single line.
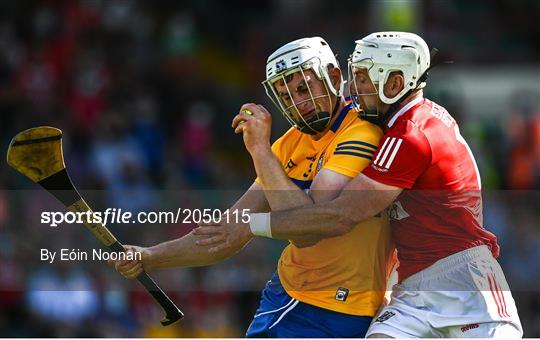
[[450, 284]]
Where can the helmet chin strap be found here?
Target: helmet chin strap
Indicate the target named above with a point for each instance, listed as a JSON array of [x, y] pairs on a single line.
[[371, 115], [318, 124], [380, 119]]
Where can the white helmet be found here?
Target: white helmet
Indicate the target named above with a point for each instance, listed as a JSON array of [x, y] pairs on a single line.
[[298, 56], [384, 52]]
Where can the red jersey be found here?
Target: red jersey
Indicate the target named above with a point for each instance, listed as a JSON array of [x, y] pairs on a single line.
[[439, 212]]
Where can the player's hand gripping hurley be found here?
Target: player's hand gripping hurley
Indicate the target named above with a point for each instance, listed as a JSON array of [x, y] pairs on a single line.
[[37, 154]]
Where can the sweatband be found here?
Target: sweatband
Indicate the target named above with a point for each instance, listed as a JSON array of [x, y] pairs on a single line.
[[259, 223]]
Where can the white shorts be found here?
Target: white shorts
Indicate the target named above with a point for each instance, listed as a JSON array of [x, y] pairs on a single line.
[[462, 295]]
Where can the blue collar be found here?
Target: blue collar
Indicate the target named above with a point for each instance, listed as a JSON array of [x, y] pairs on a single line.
[[341, 116]]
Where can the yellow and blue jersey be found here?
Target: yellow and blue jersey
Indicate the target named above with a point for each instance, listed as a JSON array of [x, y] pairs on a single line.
[[348, 273]]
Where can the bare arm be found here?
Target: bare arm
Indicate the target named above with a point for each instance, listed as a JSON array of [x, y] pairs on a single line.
[[184, 251], [279, 190], [361, 199], [282, 193]]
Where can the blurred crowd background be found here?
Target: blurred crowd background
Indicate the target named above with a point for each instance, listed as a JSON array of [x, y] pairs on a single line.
[[144, 92]]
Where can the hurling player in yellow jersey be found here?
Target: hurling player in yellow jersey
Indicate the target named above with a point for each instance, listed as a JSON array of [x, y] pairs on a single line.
[[322, 288]]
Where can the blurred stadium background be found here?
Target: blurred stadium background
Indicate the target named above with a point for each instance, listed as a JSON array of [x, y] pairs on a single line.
[[144, 92]]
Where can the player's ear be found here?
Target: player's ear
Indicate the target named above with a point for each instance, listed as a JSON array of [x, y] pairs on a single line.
[[335, 76], [394, 84]]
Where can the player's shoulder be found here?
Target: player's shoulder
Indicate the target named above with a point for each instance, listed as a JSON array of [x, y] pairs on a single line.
[[291, 133], [288, 141], [355, 128], [407, 130], [426, 117], [424, 123], [403, 127], [406, 136], [357, 137]]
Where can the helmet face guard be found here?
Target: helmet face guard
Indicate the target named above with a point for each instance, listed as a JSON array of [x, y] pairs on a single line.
[[308, 61], [306, 114], [361, 87]]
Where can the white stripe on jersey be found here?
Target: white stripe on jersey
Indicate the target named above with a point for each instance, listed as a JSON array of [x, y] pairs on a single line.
[[386, 151], [381, 150], [396, 148]]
